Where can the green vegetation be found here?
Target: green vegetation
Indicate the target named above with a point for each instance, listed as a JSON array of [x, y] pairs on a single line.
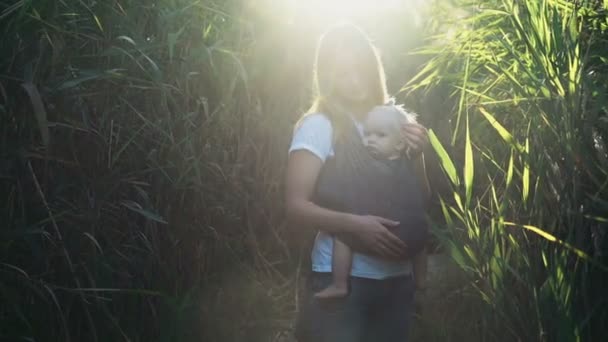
[[143, 144], [526, 216], [133, 156]]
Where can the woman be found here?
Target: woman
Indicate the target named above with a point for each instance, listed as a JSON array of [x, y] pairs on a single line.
[[349, 82]]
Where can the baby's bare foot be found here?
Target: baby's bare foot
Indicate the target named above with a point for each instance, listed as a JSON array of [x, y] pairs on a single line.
[[332, 291]]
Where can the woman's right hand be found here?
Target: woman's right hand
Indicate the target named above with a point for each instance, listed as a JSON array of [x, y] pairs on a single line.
[[374, 235], [415, 136]]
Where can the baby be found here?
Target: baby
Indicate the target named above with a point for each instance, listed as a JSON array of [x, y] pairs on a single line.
[[395, 194]]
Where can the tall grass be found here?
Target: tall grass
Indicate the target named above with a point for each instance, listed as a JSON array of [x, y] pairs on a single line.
[[129, 197], [142, 147], [526, 216]]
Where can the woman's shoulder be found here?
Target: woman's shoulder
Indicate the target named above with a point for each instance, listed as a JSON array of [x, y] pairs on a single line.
[[315, 121], [313, 133]]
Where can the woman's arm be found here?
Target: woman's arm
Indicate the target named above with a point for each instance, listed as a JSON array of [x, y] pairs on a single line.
[[418, 135], [420, 269], [420, 171], [416, 140], [303, 168]]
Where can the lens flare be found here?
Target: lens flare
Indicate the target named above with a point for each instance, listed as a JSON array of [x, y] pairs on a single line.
[[336, 10]]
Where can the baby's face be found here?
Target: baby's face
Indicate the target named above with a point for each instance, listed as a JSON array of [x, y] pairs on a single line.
[[382, 134]]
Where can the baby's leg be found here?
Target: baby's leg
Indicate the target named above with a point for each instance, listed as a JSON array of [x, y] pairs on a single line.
[[340, 263]]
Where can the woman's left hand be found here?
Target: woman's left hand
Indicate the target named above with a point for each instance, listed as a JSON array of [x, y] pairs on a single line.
[[416, 137]]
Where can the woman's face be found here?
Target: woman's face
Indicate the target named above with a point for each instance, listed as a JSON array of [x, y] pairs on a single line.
[[350, 83]]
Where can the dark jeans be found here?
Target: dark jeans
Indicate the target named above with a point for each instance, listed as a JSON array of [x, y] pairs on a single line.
[[374, 310]]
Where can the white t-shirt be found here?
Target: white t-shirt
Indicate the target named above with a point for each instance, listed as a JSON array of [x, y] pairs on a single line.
[[315, 135]]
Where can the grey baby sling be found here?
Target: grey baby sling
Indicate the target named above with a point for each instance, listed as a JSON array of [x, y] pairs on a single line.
[[356, 182]]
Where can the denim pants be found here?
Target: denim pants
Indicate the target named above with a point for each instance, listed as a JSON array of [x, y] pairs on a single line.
[[375, 310]]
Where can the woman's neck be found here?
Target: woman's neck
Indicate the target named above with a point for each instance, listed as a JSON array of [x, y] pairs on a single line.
[[358, 111]]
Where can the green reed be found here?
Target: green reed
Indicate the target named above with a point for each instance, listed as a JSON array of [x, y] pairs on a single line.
[[528, 162]]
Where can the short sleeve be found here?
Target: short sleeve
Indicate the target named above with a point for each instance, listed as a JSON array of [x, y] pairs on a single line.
[[315, 135]]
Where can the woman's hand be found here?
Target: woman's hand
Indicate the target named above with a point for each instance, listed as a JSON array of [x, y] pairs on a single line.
[[373, 234], [415, 136]]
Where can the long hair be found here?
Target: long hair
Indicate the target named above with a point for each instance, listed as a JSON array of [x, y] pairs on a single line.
[[350, 39]]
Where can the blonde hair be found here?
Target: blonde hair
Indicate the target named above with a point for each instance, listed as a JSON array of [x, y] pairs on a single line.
[[344, 37]]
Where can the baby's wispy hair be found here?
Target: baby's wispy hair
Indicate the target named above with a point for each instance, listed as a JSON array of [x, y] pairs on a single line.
[[398, 109]]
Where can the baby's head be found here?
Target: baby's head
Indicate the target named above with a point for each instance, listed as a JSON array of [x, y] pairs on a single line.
[[382, 130]]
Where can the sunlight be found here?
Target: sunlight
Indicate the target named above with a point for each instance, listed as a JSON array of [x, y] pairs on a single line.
[[337, 10]]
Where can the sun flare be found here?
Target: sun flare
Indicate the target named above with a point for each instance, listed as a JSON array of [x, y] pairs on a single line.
[[336, 10]]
